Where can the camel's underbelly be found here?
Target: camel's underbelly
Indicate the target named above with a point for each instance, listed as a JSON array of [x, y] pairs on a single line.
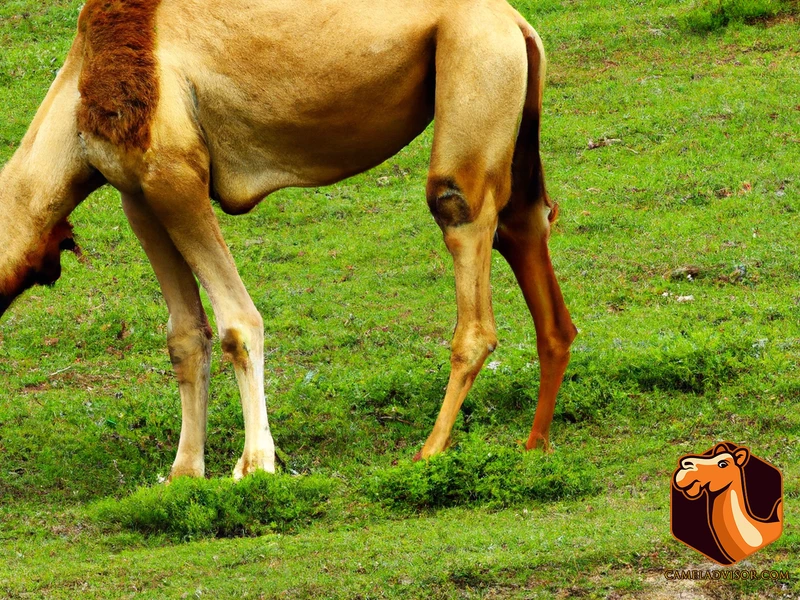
[[299, 97], [251, 158]]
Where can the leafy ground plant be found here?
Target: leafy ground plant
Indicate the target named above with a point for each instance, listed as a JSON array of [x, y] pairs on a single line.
[[476, 472], [195, 508]]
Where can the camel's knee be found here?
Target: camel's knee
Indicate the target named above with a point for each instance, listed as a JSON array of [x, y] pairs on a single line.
[[520, 225], [554, 345], [471, 346], [240, 340], [189, 349]]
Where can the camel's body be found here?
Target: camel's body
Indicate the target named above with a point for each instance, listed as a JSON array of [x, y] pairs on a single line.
[[288, 93], [721, 477], [347, 93], [175, 101]]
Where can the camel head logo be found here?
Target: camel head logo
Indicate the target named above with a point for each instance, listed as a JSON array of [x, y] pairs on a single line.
[[726, 503], [699, 473]]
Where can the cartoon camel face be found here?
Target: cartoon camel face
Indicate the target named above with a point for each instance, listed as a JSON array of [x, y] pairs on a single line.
[[715, 473], [720, 476]]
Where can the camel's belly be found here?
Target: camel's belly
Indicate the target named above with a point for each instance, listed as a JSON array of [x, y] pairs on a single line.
[[287, 95]]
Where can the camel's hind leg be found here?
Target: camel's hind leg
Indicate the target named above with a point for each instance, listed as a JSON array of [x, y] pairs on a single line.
[[522, 240], [522, 235], [480, 88], [188, 333]]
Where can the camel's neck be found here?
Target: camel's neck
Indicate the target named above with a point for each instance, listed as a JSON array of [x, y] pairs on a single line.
[[44, 181], [736, 530], [48, 175]]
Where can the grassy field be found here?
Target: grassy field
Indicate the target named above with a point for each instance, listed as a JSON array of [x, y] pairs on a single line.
[[665, 149]]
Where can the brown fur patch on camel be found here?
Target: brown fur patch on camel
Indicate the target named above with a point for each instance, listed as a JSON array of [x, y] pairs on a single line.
[[118, 82]]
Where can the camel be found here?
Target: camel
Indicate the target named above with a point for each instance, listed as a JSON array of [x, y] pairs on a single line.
[[720, 477], [176, 102]]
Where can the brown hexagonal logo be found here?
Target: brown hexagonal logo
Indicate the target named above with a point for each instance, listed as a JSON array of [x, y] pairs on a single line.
[[726, 503]]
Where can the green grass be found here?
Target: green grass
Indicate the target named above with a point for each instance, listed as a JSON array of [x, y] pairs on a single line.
[[711, 15], [356, 290]]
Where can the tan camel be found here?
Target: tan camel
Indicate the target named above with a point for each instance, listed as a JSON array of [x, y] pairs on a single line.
[[173, 101], [721, 478]]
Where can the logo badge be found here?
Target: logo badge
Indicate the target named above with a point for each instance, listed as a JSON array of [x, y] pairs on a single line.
[[726, 503]]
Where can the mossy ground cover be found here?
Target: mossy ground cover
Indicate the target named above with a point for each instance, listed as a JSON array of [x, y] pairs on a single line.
[[675, 158], [189, 508]]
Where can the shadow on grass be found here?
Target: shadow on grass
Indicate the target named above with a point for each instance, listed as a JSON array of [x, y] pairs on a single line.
[[598, 381]]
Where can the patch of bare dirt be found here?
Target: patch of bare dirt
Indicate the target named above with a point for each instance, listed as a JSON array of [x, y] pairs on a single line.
[[658, 587]]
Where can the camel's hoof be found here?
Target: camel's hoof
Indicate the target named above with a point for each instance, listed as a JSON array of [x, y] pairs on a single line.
[[539, 443], [198, 472], [247, 465], [433, 448]]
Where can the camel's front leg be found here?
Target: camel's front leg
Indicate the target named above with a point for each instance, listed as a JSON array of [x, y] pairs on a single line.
[[178, 196], [188, 333]]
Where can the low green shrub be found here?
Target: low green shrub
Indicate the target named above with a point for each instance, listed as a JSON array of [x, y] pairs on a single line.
[[191, 508], [476, 472], [711, 15]]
